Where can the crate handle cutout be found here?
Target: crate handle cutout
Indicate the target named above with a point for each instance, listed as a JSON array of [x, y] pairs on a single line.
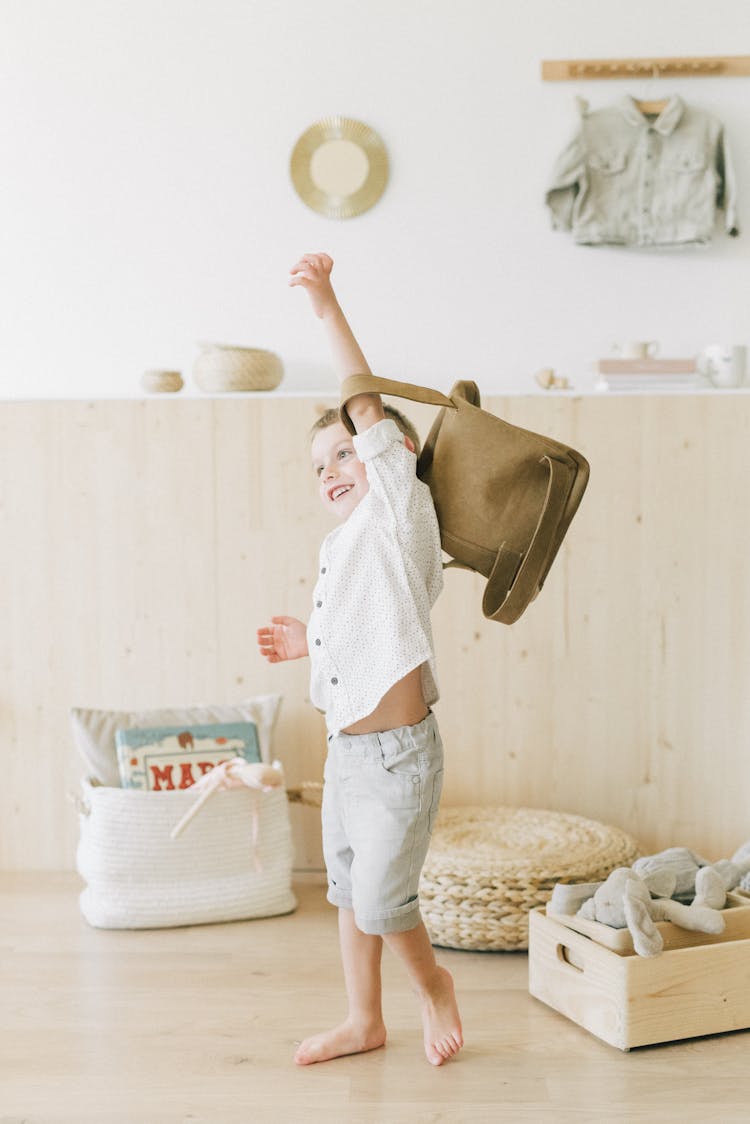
[[567, 956]]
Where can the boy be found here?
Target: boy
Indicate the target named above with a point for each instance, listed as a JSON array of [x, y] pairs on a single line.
[[373, 673]]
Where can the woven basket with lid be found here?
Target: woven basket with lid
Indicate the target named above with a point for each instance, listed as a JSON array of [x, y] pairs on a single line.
[[221, 369], [488, 866]]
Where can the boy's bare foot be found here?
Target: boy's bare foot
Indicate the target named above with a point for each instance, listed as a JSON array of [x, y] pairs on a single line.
[[443, 1036], [344, 1039]]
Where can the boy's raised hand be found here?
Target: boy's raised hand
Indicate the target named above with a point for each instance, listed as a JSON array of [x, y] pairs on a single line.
[[284, 639], [313, 272]]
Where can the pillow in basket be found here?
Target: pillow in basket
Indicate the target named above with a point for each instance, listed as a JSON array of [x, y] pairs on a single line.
[[164, 758], [94, 731]]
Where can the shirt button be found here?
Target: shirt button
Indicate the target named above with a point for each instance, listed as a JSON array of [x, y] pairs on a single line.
[[415, 780], [334, 680], [317, 642], [318, 604], [323, 569]]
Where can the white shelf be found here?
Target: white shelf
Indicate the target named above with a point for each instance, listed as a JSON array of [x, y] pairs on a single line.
[[332, 393]]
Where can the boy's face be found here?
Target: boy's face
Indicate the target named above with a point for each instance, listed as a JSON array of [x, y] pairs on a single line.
[[342, 479]]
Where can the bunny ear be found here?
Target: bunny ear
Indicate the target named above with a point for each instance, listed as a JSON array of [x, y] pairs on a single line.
[[742, 856], [568, 897], [647, 940], [661, 883], [710, 888]]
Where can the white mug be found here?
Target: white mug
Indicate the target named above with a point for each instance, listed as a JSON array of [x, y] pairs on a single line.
[[636, 349], [724, 364]]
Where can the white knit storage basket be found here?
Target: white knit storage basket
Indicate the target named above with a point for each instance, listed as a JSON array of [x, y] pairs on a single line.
[[234, 861]]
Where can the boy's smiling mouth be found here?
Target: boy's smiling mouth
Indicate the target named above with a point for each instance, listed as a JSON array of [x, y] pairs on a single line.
[[338, 491]]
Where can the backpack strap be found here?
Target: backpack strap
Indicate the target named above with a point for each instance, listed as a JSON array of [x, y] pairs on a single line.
[[373, 384]]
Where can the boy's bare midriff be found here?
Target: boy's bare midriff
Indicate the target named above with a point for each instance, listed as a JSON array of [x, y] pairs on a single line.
[[402, 705]]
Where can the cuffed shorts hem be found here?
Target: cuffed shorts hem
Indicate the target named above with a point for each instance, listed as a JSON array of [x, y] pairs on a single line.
[[393, 921], [339, 898], [396, 920]]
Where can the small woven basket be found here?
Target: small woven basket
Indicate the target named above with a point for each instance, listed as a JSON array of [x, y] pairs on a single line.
[[161, 382], [487, 867], [221, 369]]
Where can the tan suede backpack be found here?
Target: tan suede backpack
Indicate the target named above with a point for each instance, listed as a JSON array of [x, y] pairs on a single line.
[[504, 496]]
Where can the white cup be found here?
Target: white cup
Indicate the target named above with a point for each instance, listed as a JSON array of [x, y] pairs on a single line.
[[636, 349], [724, 364]]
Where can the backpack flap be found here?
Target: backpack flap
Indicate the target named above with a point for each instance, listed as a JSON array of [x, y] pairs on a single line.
[[505, 601]]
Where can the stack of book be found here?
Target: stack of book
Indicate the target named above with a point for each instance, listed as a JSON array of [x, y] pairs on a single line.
[[647, 374]]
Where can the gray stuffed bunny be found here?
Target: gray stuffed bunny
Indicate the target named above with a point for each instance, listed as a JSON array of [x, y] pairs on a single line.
[[691, 873], [625, 900], [658, 888]]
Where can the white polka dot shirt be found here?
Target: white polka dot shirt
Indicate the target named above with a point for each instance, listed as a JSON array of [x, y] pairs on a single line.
[[380, 574]]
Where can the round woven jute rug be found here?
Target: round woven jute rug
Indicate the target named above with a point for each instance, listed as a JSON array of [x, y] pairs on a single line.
[[488, 866]]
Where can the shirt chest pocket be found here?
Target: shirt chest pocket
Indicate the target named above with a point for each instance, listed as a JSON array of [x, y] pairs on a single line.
[[690, 162], [609, 162]]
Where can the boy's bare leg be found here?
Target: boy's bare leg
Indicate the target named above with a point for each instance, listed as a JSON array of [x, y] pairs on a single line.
[[443, 1036], [363, 1029]]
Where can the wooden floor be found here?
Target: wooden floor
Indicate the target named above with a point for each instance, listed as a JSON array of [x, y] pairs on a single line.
[[198, 1025]]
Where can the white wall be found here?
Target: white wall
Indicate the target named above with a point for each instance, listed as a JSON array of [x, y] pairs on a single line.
[[145, 201]]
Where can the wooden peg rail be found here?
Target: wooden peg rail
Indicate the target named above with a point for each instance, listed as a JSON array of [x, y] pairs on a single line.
[[726, 66]]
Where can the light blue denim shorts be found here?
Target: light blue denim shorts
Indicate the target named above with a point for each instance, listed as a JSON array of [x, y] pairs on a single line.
[[380, 799]]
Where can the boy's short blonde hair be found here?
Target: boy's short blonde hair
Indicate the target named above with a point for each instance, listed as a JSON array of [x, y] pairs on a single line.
[[330, 417]]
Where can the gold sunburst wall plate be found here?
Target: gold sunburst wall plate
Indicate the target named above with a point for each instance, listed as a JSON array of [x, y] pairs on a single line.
[[339, 167]]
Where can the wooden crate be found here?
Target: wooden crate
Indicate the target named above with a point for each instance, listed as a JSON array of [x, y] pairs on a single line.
[[628, 1000]]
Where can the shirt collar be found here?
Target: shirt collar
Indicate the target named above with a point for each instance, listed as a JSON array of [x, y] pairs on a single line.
[[665, 123]]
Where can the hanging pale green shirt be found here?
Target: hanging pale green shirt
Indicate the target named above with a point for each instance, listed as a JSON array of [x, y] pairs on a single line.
[[628, 179]]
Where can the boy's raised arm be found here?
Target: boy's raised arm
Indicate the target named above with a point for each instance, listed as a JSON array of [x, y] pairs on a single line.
[[313, 273]]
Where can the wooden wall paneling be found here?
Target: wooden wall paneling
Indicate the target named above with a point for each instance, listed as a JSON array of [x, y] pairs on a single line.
[[29, 769], [269, 525], [144, 542]]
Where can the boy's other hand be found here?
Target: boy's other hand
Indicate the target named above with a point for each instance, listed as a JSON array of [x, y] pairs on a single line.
[[284, 639], [313, 272]]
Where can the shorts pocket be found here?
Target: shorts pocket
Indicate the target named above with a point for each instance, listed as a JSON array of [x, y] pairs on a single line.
[[397, 791], [400, 760], [437, 788]]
